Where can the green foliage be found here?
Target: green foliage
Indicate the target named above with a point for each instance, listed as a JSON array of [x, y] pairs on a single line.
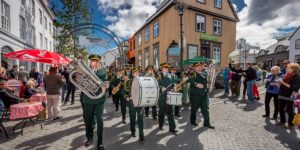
[[70, 13]]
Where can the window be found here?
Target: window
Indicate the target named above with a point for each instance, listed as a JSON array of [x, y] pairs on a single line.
[[23, 2], [50, 44], [192, 51], [155, 56], [140, 39], [49, 27], [297, 44], [46, 44], [33, 36], [33, 8], [297, 59], [146, 57], [156, 29], [217, 27], [46, 23], [5, 19], [217, 54], [22, 28], [41, 41], [147, 34], [200, 23], [140, 58], [218, 3], [201, 1], [41, 17]]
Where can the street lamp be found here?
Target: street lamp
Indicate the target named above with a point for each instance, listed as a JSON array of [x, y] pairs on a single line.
[[180, 7]]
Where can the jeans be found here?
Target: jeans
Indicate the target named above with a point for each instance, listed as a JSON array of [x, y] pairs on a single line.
[[64, 89], [250, 85], [226, 86]]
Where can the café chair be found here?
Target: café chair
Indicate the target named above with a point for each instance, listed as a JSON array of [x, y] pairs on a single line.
[[1, 124]]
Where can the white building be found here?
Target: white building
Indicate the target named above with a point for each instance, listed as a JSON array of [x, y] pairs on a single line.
[[25, 24], [294, 54]]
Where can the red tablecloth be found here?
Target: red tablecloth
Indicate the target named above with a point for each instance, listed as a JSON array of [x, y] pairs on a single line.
[[38, 98], [25, 110], [297, 103]]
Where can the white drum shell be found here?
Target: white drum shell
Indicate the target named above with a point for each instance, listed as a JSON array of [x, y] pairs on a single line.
[[174, 98], [144, 91]]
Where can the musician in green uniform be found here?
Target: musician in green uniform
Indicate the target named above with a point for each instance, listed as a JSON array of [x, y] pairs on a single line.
[[175, 80], [94, 107], [134, 111], [150, 73], [199, 95], [165, 83], [118, 86]]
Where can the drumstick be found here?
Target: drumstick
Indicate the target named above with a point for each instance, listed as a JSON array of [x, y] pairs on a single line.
[[166, 89]]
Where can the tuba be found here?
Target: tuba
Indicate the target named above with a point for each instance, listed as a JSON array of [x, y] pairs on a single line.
[[86, 80], [211, 75]]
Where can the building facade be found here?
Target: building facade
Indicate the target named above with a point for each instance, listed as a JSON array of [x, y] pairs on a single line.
[[209, 30], [294, 54], [25, 24], [275, 54]]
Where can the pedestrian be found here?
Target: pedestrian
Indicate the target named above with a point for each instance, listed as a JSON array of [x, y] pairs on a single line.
[[23, 75], [165, 82], [235, 83], [225, 74], [94, 107], [199, 95], [284, 66], [12, 74], [289, 87], [272, 91], [70, 89], [53, 83], [3, 75], [256, 84], [134, 111], [29, 89], [250, 74], [33, 74], [65, 75]]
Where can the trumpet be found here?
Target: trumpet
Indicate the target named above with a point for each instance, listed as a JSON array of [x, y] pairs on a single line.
[[86, 80], [180, 85]]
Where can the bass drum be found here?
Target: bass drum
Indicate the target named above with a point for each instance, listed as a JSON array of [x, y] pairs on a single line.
[[144, 91]]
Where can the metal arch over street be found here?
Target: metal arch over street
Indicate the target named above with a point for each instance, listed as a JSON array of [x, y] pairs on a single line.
[[106, 31]]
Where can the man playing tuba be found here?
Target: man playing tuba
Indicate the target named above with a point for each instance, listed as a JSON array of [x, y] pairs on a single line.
[[95, 107]]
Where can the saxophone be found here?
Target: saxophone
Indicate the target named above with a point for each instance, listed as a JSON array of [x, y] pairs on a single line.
[[116, 89], [180, 85]]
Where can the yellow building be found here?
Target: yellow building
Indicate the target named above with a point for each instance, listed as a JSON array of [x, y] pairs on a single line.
[[209, 30]]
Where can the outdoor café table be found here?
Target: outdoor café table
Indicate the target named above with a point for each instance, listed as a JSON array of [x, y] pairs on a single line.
[[38, 97], [25, 111]]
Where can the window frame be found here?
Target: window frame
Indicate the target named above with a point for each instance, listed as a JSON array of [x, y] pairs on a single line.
[[146, 51], [214, 53], [199, 1], [140, 57], [215, 4], [33, 8], [156, 55], [156, 27], [22, 28], [46, 43], [297, 45], [5, 13], [148, 37], [41, 16], [41, 41], [215, 19], [139, 39], [204, 30], [46, 22]]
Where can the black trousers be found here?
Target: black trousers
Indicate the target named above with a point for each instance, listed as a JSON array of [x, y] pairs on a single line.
[[70, 91], [154, 111], [176, 110], [286, 106], [119, 99], [268, 98], [245, 88]]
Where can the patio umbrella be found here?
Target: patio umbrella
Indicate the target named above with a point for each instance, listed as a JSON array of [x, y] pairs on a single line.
[[194, 60], [42, 56]]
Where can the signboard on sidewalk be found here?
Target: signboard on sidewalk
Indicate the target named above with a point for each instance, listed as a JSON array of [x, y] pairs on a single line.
[[92, 41]]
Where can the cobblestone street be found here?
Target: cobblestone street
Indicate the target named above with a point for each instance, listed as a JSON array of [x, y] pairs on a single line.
[[239, 125]]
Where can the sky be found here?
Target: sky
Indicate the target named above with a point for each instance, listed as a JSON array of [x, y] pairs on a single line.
[[261, 21]]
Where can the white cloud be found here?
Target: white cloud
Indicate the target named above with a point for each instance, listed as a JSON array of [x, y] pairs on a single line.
[[261, 31], [127, 16]]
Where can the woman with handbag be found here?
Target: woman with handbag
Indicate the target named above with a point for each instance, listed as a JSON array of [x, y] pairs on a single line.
[[289, 87]]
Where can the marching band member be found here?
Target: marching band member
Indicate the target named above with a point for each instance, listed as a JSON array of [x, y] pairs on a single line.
[[134, 111], [93, 107], [118, 91], [175, 79], [150, 73], [165, 84], [199, 94]]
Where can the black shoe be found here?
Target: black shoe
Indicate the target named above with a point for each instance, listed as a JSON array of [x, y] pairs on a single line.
[[123, 121], [209, 126], [274, 118], [173, 131], [56, 118], [265, 116], [177, 115], [133, 134], [142, 139], [154, 118], [161, 128], [194, 124], [88, 142], [100, 147]]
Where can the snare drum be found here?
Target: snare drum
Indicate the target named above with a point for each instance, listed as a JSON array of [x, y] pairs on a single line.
[[174, 98], [144, 91]]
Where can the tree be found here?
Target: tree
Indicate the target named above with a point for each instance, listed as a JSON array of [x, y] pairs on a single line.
[[70, 13]]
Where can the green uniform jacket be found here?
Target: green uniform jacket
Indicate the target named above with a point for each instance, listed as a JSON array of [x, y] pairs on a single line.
[[115, 83], [101, 74], [164, 81], [196, 78]]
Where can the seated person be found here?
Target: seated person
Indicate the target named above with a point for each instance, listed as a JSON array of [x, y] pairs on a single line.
[[7, 96], [29, 89]]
